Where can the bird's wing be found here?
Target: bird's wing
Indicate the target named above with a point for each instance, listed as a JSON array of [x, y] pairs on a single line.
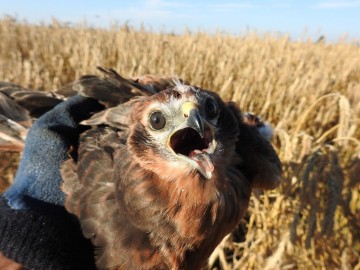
[[112, 89], [91, 193], [117, 117], [19, 105], [259, 160]]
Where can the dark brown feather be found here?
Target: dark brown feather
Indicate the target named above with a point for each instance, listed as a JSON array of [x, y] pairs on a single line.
[[259, 160], [10, 109]]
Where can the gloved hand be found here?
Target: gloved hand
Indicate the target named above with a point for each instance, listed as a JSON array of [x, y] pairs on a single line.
[[35, 229]]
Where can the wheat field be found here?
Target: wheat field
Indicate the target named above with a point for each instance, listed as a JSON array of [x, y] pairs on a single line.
[[308, 91]]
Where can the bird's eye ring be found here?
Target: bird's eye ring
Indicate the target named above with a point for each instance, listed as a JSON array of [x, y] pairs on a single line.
[[157, 120], [211, 108]]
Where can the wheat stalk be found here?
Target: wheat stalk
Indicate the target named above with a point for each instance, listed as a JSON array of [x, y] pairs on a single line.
[[270, 75]]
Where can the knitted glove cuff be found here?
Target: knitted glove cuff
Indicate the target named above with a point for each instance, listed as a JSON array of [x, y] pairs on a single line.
[[47, 237]]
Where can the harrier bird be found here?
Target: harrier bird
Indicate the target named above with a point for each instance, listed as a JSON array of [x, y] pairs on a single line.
[[164, 172]]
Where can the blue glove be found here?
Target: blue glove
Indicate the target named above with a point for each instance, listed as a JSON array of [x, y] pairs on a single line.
[[47, 145], [35, 229]]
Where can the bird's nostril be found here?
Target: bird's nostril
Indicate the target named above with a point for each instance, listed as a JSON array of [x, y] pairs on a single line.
[[177, 94]]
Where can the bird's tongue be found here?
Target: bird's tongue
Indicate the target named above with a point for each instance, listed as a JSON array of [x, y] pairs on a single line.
[[203, 159]]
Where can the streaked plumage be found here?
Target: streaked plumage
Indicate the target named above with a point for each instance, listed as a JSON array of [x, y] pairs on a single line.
[[165, 172]]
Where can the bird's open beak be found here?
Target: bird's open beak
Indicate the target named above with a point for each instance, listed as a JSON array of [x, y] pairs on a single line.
[[195, 143], [194, 118]]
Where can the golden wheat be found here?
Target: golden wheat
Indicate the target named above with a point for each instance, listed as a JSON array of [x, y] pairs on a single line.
[[310, 93]]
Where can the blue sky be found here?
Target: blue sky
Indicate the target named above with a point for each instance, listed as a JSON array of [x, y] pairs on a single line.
[[332, 18]]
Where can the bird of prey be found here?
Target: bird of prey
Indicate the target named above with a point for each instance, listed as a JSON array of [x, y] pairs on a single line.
[[164, 172]]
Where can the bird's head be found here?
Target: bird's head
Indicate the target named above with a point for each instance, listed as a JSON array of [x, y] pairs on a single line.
[[182, 130]]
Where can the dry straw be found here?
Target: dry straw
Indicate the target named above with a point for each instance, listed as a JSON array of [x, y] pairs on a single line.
[[310, 93]]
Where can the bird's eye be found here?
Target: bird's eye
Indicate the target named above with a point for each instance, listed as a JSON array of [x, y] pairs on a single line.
[[211, 108], [157, 120]]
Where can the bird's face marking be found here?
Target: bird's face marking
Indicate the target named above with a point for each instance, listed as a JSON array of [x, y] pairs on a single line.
[[195, 143], [180, 128]]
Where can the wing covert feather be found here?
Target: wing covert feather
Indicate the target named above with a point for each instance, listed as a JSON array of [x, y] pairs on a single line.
[[91, 193], [259, 160]]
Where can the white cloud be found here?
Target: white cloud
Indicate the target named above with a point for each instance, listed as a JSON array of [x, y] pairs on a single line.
[[140, 14], [337, 4], [151, 10], [165, 4], [152, 2], [233, 5]]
